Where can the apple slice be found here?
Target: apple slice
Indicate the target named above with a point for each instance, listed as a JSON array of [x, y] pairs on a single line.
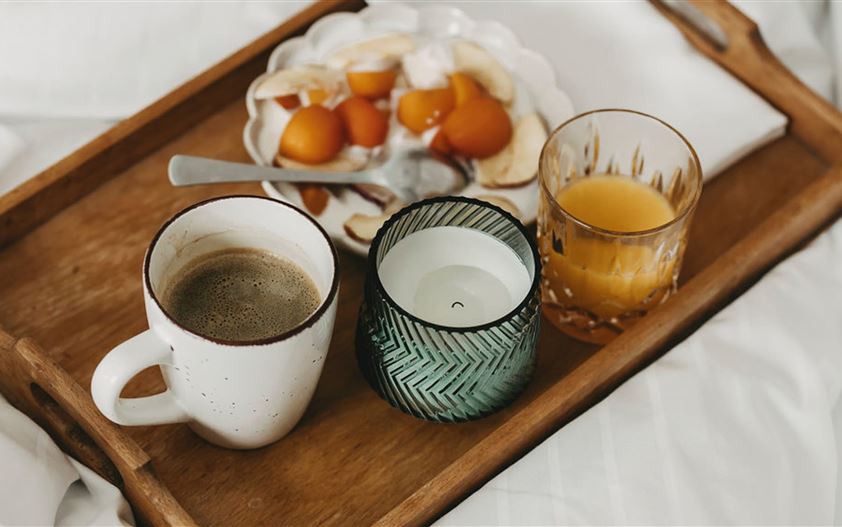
[[473, 59], [298, 79], [374, 193], [517, 164], [363, 227], [382, 49], [502, 202]]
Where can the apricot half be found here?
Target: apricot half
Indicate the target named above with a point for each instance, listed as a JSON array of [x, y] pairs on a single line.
[[371, 84], [364, 124], [420, 110], [479, 128], [313, 135]]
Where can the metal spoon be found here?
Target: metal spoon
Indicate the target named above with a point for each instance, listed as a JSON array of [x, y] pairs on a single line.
[[411, 174]]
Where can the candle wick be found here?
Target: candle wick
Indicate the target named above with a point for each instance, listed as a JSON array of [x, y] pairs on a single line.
[[454, 304]]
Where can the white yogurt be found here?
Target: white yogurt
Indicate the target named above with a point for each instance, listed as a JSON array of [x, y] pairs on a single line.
[[429, 66]]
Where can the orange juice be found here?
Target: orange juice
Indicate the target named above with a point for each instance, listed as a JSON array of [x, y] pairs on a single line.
[[616, 203], [610, 276]]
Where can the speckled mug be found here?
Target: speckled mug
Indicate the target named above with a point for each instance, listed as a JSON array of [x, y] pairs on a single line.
[[241, 394]]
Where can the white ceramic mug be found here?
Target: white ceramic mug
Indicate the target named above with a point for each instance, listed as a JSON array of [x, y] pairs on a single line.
[[233, 394]]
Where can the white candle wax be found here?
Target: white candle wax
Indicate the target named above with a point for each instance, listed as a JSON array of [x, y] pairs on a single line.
[[454, 276]]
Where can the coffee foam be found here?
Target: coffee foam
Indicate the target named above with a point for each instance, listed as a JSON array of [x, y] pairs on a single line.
[[241, 295]]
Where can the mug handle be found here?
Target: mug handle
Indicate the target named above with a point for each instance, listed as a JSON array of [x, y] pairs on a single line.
[[115, 371]]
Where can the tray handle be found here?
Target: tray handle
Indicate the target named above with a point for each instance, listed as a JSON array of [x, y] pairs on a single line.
[[733, 40], [39, 387]]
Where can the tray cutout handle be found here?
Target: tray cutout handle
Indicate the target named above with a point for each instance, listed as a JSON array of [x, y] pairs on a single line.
[[72, 438], [38, 386], [746, 56]]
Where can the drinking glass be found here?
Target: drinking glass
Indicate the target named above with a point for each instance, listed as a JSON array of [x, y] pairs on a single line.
[[598, 282], [446, 373]]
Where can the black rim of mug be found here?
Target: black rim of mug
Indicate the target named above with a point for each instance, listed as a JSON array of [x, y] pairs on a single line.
[[308, 322]]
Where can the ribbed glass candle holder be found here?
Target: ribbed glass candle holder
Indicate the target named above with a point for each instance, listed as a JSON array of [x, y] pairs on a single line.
[[438, 372]]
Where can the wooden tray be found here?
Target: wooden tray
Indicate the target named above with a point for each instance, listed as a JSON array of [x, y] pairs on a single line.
[[73, 241]]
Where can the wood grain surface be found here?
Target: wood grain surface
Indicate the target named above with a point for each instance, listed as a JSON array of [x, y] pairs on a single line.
[[73, 285]]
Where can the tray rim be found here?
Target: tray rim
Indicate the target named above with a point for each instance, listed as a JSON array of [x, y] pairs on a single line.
[[813, 120]]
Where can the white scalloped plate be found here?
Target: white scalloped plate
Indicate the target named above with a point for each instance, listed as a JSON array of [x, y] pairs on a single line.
[[532, 73]]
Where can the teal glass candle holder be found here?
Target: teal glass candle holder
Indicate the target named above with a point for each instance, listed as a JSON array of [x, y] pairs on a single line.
[[423, 365]]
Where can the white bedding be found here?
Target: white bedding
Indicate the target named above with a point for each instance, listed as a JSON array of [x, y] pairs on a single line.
[[733, 426], [720, 430]]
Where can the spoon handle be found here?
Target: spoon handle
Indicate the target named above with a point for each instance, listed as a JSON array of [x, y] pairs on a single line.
[[191, 170]]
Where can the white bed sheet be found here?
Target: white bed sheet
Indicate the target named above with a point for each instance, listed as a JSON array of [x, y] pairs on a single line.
[[734, 426], [109, 60]]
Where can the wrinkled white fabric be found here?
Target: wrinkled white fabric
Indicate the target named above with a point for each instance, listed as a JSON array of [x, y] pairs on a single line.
[[734, 426], [39, 485], [805, 36], [107, 60], [87, 65], [33, 145], [36, 474], [109, 508], [10, 146]]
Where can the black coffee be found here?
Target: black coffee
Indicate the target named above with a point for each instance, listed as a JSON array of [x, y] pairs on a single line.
[[240, 295]]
